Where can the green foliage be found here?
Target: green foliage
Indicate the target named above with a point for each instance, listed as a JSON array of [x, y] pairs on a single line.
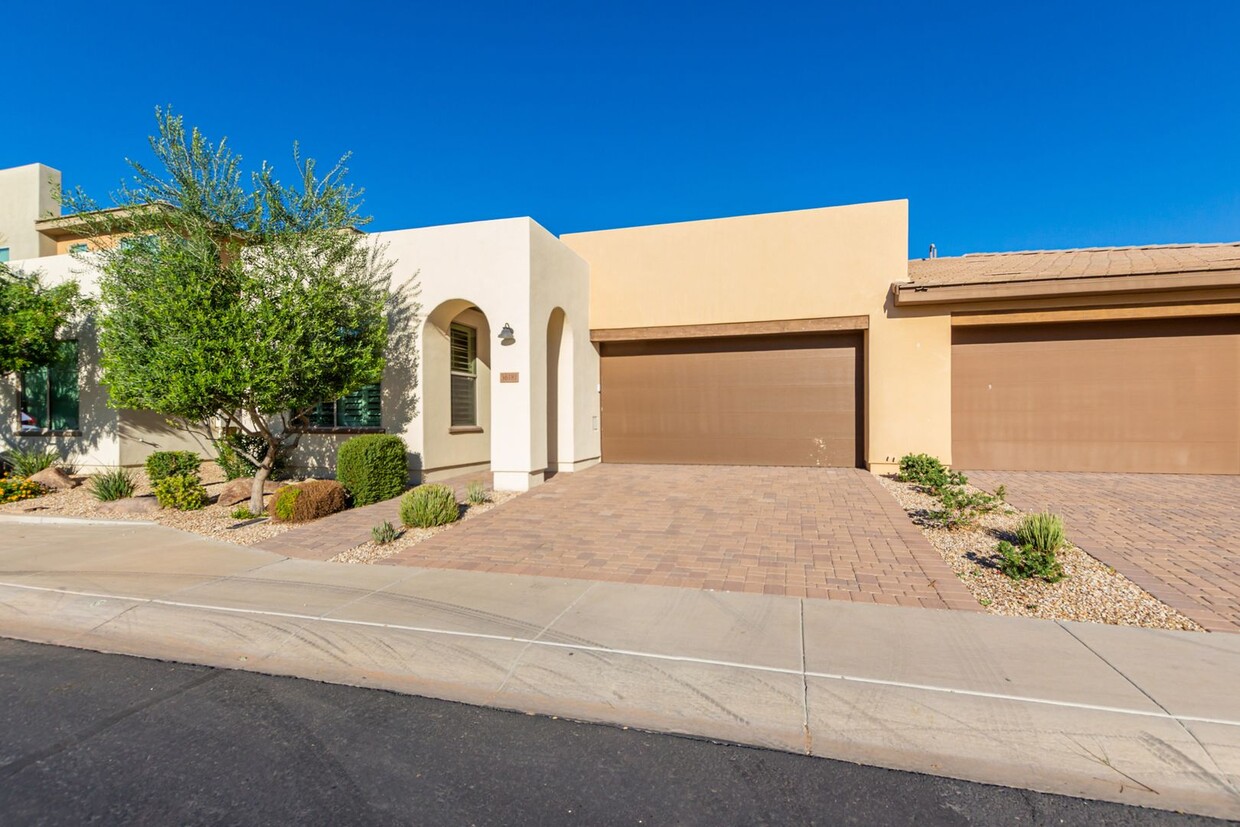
[[234, 452], [115, 484], [13, 489], [31, 316], [476, 493], [28, 463], [243, 512], [184, 492], [429, 505], [163, 464], [1041, 532], [383, 533], [1001, 493], [1021, 562], [928, 472], [373, 468], [307, 501], [961, 508]]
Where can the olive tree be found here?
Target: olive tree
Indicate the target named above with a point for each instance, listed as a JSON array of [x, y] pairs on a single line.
[[31, 316], [233, 301]]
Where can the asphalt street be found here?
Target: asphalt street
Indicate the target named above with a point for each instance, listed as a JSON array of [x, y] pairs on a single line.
[[106, 739]]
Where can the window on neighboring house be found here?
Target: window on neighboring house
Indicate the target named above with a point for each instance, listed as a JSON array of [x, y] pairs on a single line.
[[49, 395], [360, 409], [79, 248], [150, 242], [4, 254], [464, 376]]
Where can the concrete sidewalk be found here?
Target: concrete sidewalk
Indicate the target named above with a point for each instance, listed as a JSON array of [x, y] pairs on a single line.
[[1129, 715]]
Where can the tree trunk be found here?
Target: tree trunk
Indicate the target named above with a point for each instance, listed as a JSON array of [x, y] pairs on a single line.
[[261, 476]]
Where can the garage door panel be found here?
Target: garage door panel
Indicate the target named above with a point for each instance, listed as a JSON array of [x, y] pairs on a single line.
[[1149, 396], [790, 400]]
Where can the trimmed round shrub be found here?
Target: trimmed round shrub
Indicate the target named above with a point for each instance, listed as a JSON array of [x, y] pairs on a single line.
[[114, 484], [162, 464], [373, 468], [307, 501], [184, 492], [429, 505]]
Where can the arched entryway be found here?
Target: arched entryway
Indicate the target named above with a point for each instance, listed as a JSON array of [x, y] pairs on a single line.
[[560, 453], [456, 390]]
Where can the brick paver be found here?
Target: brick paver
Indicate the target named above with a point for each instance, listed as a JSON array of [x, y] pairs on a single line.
[[1177, 536], [807, 532]]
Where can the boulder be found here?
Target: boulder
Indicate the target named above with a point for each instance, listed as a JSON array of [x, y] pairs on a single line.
[[238, 490], [54, 479], [130, 505]]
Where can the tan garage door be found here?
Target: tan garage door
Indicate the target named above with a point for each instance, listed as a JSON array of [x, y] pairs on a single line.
[[755, 400], [1147, 396]]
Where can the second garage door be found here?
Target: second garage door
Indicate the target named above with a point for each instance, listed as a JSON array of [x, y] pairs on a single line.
[[1133, 396], [753, 400]]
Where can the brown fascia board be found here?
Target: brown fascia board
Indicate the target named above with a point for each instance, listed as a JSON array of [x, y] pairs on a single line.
[[65, 227], [703, 331], [911, 293]]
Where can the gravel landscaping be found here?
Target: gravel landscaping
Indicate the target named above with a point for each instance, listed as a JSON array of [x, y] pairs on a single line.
[[213, 521], [1091, 592], [373, 553]]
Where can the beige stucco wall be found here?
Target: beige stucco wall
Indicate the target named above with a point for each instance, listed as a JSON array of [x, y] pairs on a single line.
[[835, 261], [26, 195]]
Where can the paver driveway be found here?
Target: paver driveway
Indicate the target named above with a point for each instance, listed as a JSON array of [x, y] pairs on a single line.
[[1177, 536], [806, 532]]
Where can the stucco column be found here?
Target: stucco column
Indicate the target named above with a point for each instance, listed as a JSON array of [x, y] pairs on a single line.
[[515, 380]]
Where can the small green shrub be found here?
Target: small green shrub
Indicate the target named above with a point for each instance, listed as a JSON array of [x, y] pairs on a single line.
[[235, 465], [1042, 532], [184, 492], [383, 533], [429, 505], [116, 484], [373, 468], [960, 507], [1001, 493], [15, 489], [163, 464], [29, 463], [243, 512], [307, 501], [476, 493], [928, 472], [1022, 562]]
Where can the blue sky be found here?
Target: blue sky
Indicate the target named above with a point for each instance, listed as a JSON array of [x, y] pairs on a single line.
[[1007, 126]]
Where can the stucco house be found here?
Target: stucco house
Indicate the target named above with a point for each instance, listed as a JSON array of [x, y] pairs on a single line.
[[798, 338]]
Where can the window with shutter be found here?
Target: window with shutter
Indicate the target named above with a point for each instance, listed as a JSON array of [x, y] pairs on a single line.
[[49, 394], [360, 409], [464, 370]]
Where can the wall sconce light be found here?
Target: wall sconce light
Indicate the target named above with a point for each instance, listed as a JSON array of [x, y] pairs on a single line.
[[506, 335]]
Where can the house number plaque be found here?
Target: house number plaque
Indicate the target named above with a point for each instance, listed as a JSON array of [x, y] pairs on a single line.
[[508, 378]]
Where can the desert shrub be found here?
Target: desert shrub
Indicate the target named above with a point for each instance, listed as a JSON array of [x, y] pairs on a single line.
[[372, 468], [1042, 532], [116, 484], [961, 508], [243, 512], [184, 492], [476, 493], [163, 464], [235, 465], [1020, 562], [14, 489], [928, 472], [28, 463], [307, 501], [429, 505], [383, 533]]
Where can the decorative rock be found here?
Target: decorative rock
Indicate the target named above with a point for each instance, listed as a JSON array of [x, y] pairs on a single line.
[[238, 490], [130, 505], [54, 479]]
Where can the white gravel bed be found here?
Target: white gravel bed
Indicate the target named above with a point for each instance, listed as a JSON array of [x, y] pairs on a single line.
[[372, 553], [213, 521], [1091, 591]]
